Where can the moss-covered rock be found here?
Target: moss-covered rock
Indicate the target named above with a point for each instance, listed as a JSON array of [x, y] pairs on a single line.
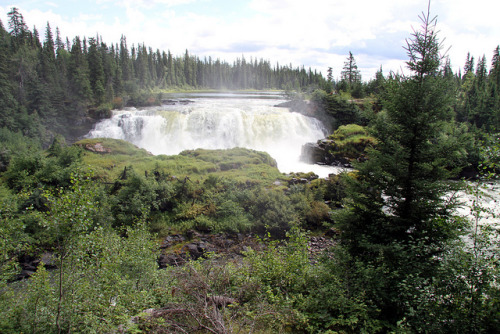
[[350, 142], [347, 143]]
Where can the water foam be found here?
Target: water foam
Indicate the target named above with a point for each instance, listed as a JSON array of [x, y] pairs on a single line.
[[219, 124]]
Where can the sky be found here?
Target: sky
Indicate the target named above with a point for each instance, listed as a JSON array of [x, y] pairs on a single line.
[[316, 34]]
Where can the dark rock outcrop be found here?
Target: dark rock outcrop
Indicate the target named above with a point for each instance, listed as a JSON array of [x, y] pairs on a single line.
[[170, 102], [178, 249], [29, 264], [309, 109], [97, 148], [315, 153], [299, 106], [318, 153]]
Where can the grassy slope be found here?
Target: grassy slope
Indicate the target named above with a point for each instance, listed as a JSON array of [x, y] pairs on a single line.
[[241, 165]]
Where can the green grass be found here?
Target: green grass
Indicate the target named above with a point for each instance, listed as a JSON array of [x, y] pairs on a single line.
[[348, 131], [243, 165], [117, 147]]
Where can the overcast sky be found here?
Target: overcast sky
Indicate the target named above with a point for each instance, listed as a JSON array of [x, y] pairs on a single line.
[[313, 33]]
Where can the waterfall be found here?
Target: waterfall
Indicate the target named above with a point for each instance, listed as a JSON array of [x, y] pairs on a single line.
[[218, 123]]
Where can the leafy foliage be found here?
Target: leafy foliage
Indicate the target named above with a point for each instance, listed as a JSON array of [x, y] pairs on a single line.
[[100, 276]]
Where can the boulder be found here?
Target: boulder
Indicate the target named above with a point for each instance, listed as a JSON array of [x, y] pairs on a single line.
[[193, 251], [299, 106], [97, 148], [319, 153], [49, 260], [170, 259], [315, 153]]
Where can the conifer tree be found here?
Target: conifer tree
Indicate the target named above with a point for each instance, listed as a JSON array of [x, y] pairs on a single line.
[[350, 72], [59, 42], [493, 90], [396, 218], [96, 71], [18, 28], [125, 63], [8, 102], [48, 58], [469, 64], [78, 71], [480, 115]]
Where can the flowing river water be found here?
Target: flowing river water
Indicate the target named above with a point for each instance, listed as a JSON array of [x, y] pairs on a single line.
[[219, 121], [250, 120]]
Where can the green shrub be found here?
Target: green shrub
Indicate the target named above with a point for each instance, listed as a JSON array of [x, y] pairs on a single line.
[[100, 280], [336, 301], [272, 211], [341, 109], [12, 143], [350, 141], [278, 277], [134, 198]]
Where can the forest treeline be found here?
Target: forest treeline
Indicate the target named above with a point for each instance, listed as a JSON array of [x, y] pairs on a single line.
[[45, 82], [474, 92], [49, 85]]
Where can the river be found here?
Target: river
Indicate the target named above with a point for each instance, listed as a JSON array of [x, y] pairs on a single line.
[[219, 120]]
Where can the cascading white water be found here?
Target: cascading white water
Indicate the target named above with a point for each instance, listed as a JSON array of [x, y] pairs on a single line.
[[219, 123]]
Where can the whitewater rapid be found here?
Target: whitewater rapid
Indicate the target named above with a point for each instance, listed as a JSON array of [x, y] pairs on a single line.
[[219, 122]]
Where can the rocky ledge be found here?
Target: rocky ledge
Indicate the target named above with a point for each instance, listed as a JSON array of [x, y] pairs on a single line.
[[170, 102], [96, 148], [177, 249], [318, 153]]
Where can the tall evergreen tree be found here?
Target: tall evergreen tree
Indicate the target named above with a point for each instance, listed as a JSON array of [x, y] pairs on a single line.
[[376, 86], [59, 42], [188, 72], [48, 57], [125, 63], [79, 71], [480, 115], [96, 71], [350, 73], [469, 65], [493, 90], [18, 28], [396, 219], [8, 103]]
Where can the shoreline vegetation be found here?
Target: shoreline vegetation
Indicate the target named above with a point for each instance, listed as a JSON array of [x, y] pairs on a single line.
[[99, 236]]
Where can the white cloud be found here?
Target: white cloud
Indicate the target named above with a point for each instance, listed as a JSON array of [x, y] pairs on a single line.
[[316, 33]]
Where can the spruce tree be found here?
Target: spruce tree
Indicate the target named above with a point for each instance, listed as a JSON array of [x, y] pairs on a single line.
[[18, 28], [469, 64], [8, 102], [48, 60], [96, 71], [78, 70], [493, 93], [396, 218], [481, 115], [350, 73]]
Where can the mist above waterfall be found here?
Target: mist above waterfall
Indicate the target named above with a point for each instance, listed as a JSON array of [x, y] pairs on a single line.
[[219, 121]]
